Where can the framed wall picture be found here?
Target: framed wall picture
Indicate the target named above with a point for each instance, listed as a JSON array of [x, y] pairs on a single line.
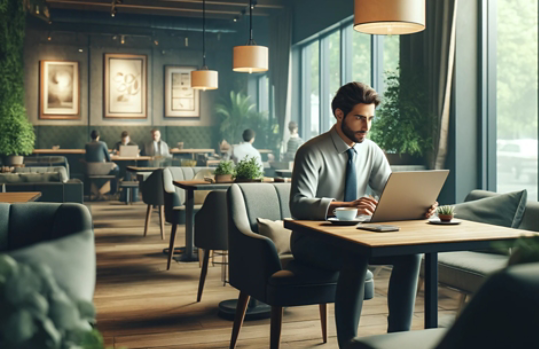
[[181, 101], [125, 86], [59, 90]]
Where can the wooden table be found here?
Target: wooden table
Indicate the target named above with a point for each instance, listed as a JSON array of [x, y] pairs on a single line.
[[284, 173], [15, 197], [130, 158], [190, 187], [58, 151], [414, 237]]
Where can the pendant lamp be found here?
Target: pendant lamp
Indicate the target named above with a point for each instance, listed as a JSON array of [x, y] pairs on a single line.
[[250, 58], [387, 17], [204, 79]]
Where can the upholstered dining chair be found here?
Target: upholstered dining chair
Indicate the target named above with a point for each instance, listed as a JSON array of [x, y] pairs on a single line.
[[502, 314], [151, 189], [174, 198], [258, 271], [211, 231]]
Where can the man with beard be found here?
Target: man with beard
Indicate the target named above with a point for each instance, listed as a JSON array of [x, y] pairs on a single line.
[[335, 170]]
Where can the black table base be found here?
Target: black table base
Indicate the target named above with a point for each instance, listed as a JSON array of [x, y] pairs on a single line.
[[255, 310]]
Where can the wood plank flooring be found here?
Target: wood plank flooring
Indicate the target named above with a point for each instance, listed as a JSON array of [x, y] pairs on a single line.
[[140, 305]]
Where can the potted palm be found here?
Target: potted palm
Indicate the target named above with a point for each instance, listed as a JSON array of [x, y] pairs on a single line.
[[234, 113], [248, 170], [16, 136], [224, 172]]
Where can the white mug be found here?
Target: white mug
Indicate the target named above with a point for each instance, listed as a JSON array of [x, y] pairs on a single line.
[[345, 213]]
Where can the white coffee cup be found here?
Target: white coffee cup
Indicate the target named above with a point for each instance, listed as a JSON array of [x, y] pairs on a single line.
[[345, 213]]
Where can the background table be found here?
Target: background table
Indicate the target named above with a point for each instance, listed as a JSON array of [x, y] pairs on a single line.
[[15, 197], [193, 152], [413, 238], [284, 173]]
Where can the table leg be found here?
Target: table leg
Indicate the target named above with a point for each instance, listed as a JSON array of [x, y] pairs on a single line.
[[431, 290], [189, 255]]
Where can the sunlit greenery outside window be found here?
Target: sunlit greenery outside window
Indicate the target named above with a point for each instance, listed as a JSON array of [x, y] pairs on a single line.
[[516, 96]]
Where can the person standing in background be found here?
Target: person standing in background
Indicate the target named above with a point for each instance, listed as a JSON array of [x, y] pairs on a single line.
[[294, 142]]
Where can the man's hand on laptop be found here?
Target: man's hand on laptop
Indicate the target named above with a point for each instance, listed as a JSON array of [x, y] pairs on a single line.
[[364, 205], [431, 210]]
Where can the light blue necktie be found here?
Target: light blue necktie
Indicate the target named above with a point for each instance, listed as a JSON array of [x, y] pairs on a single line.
[[350, 187]]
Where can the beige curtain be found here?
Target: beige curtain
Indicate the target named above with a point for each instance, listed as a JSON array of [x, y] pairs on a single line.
[[279, 65], [433, 50]]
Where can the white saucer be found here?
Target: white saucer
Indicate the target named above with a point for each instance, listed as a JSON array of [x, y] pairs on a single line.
[[439, 222], [336, 221]]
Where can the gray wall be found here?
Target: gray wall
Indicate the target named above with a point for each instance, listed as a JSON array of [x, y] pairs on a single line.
[[63, 46], [312, 16]]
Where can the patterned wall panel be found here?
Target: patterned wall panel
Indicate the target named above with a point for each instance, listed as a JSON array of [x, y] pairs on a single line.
[[67, 137], [192, 136], [75, 137]]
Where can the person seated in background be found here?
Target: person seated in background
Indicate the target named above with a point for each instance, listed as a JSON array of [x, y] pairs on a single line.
[[157, 147], [98, 161], [125, 140], [294, 142], [246, 149]]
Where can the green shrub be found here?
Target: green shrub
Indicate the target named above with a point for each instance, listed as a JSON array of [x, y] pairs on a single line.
[[37, 313], [16, 133], [224, 168], [248, 169]]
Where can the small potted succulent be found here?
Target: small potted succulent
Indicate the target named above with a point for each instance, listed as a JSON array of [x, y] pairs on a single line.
[[248, 170], [224, 172], [446, 213]]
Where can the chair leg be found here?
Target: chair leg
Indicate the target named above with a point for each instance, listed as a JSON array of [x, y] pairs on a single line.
[[324, 321], [203, 273], [162, 221], [148, 217], [171, 245], [276, 324], [241, 308]]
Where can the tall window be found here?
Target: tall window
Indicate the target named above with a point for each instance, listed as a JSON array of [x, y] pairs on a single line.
[[313, 87], [335, 57], [516, 96], [361, 59]]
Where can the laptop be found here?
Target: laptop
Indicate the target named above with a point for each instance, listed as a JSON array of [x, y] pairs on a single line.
[[408, 196], [130, 151]]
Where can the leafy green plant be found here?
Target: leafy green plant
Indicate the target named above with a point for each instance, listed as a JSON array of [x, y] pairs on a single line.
[[234, 114], [404, 124], [267, 131], [37, 313], [16, 133], [224, 168], [248, 169], [446, 210]]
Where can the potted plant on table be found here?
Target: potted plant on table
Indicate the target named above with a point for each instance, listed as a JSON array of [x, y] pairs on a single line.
[[224, 172], [248, 170], [16, 136], [446, 213]]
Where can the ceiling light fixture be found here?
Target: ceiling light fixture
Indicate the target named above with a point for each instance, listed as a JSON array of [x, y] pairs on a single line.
[[204, 79], [387, 17], [250, 58], [122, 39]]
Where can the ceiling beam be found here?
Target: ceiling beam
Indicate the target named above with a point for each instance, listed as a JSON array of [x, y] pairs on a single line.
[[190, 10]]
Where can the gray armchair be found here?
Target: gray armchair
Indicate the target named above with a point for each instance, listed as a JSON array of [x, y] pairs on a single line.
[[256, 269], [211, 230], [503, 314], [57, 235], [174, 199]]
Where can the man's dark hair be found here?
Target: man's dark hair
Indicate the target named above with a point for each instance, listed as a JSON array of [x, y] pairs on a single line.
[[292, 126], [125, 134], [352, 94], [94, 135], [248, 135]]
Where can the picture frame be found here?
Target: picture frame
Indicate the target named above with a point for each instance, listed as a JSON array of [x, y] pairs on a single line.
[[59, 90], [125, 86], [181, 101]]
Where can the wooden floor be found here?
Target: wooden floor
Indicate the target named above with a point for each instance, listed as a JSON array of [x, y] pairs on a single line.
[[141, 305]]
